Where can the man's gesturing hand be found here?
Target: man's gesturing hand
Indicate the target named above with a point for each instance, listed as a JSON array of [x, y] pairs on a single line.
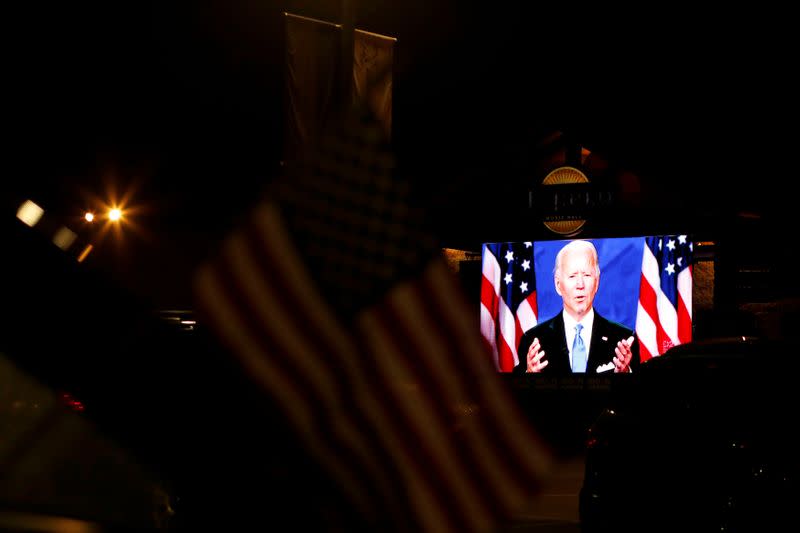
[[622, 361], [536, 361]]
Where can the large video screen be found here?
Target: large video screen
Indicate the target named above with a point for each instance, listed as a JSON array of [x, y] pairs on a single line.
[[640, 292]]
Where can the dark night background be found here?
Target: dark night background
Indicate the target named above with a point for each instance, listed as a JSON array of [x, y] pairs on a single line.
[[177, 107]]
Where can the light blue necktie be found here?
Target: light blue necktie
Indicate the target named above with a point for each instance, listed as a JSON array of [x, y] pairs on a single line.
[[578, 351]]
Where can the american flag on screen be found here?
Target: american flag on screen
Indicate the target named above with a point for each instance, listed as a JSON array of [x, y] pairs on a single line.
[[336, 301], [664, 317], [508, 299]]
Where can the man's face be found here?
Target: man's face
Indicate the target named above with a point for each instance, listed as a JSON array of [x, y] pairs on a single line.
[[577, 282]]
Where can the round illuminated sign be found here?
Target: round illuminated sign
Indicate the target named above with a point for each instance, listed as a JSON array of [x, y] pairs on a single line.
[[564, 224]]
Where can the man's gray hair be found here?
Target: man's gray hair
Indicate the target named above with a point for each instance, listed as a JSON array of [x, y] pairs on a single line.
[[585, 246]]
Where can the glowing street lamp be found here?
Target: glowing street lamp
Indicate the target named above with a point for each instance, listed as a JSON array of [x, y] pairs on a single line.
[[115, 214], [89, 216]]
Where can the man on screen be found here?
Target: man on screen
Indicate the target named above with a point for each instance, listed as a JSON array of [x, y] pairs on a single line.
[[578, 339]]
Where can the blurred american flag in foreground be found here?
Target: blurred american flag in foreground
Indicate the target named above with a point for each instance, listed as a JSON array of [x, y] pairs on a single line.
[[336, 300]]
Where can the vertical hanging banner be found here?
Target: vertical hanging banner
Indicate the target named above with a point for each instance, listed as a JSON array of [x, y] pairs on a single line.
[[312, 65], [312, 78], [373, 68]]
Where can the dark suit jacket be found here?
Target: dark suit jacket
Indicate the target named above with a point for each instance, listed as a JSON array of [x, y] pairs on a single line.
[[553, 340]]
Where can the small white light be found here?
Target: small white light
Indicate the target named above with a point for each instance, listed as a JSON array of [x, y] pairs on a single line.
[[89, 216], [115, 214], [30, 213]]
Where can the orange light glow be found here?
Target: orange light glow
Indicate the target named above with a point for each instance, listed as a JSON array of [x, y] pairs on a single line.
[[115, 214], [89, 216], [84, 253]]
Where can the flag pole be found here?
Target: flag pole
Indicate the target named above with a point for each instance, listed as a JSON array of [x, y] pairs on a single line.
[[347, 47]]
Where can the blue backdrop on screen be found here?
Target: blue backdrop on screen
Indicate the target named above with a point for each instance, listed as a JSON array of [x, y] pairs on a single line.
[[620, 273]]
